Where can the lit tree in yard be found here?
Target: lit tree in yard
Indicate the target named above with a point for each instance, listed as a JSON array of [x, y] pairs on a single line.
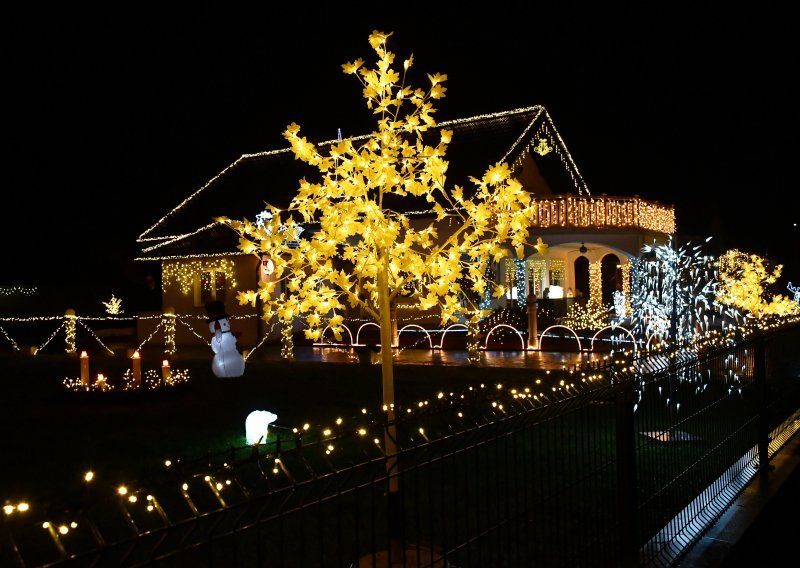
[[743, 285], [674, 293], [360, 249]]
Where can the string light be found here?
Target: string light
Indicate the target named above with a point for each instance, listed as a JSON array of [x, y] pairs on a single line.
[[17, 290], [168, 320], [69, 331], [190, 256], [94, 335], [13, 343], [187, 273], [114, 305], [287, 341], [743, 285], [545, 130], [595, 283], [590, 317], [152, 380], [577, 212]]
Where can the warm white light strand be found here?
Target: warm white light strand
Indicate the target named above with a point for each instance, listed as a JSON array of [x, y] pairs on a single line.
[[93, 334], [191, 329], [49, 339], [17, 290], [149, 337], [8, 337], [446, 124], [190, 256], [181, 237]]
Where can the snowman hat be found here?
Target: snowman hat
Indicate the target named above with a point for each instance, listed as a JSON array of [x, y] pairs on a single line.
[[216, 311]]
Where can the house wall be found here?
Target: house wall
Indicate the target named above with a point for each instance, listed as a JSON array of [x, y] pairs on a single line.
[[183, 295]]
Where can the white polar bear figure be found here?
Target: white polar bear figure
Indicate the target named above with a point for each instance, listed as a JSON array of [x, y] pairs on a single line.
[[227, 362]]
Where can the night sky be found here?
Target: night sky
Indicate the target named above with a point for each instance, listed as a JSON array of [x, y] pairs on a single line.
[[111, 119]]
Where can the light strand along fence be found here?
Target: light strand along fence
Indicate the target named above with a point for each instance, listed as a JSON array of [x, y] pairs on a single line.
[[626, 473], [80, 333]]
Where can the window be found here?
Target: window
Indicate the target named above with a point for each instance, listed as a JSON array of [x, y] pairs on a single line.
[[210, 285]]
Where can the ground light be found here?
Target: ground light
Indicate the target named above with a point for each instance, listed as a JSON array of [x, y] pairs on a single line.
[[256, 425]]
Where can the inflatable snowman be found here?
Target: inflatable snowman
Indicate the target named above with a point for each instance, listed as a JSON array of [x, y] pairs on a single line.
[[227, 362]]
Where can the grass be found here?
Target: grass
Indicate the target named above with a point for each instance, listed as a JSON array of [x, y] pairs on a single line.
[[49, 436], [557, 468]]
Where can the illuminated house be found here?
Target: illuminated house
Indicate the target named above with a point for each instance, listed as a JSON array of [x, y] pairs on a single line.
[[591, 239]]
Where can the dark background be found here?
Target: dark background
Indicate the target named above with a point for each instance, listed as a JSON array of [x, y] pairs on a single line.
[[114, 117]]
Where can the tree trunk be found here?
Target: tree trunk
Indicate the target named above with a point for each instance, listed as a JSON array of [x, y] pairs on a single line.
[[387, 374], [287, 341], [473, 340]]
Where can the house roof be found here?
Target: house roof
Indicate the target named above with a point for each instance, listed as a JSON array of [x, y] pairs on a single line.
[[520, 137]]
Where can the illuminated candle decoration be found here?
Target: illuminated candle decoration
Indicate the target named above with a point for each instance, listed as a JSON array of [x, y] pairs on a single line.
[[101, 383], [256, 425], [136, 361], [165, 372], [85, 378]]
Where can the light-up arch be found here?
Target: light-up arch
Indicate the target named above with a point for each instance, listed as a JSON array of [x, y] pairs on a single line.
[[358, 333], [515, 330], [613, 327], [347, 329], [578, 339], [449, 328], [405, 327]]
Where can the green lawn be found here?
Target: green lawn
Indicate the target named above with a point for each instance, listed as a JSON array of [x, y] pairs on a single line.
[[49, 436]]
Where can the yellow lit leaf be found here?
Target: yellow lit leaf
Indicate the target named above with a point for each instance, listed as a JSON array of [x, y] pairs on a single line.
[[351, 68], [541, 247]]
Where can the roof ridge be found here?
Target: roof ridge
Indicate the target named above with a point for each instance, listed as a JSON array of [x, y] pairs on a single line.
[[143, 237]]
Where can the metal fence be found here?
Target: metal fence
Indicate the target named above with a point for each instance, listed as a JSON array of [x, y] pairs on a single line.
[[621, 466]]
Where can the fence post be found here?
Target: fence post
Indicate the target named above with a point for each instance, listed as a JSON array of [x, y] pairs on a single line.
[[168, 320], [627, 500], [760, 378], [69, 331]]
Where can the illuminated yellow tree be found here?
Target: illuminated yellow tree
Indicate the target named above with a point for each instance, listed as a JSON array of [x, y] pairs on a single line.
[[345, 240], [742, 284]]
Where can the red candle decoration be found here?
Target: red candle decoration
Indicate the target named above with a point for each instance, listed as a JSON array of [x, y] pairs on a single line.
[[165, 372], [137, 369], [85, 378]]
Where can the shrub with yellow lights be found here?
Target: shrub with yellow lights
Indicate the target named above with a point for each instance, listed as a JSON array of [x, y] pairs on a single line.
[[365, 251], [113, 306], [743, 281], [151, 380], [590, 317]]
